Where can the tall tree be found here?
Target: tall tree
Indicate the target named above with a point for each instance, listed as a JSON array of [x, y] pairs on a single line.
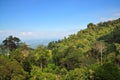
[[11, 43], [42, 56], [99, 46]]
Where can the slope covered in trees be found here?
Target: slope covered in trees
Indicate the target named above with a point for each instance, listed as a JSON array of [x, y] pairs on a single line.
[[91, 54]]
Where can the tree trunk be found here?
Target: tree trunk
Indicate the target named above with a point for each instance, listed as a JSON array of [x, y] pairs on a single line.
[[8, 51], [101, 57]]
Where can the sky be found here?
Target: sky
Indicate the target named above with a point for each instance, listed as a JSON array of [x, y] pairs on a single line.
[[52, 19]]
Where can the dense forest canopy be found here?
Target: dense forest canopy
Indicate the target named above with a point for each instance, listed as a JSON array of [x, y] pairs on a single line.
[[91, 54]]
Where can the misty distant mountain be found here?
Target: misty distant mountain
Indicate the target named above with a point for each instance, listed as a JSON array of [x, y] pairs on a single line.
[[35, 43]]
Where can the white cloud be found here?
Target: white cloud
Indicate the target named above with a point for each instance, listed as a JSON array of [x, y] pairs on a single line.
[[26, 33], [50, 34], [113, 17], [21, 35], [107, 19], [58, 34], [117, 14], [1, 31]]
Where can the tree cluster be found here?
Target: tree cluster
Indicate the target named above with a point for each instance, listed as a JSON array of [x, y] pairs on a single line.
[[91, 54]]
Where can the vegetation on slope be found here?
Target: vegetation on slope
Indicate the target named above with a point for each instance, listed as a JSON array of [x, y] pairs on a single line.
[[91, 54]]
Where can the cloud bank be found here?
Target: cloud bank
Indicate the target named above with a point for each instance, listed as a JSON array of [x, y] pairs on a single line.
[[113, 17], [30, 35]]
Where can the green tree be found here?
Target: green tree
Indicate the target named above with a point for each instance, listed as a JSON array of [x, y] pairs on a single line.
[[11, 70], [21, 53], [52, 68], [77, 74], [2, 49], [42, 56], [91, 26], [117, 45], [38, 74], [11, 43], [107, 71]]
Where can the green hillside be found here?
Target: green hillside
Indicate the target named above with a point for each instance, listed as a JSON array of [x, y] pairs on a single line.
[[91, 54]]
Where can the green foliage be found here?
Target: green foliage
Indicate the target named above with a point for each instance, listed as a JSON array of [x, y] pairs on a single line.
[[117, 45], [91, 26], [77, 74], [11, 70], [107, 71], [11, 42], [42, 56], [74, 58], [110, 57], [52, 68], [37, 74]]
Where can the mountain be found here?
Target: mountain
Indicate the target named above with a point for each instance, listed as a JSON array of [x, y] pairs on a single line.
[[91, 54], [95, 44], [94, 32], [34, 43]]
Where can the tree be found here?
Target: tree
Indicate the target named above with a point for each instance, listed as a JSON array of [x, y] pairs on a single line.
[[21, 53], [37, 74], [11, 70], [107, 71], [117, 46], [91, 26], [42, 56], [77, 74], [51, 45], [68, 57], [116, 34], [11, 43], [2, 49], [72, 59], [52, 68], [99, 46]]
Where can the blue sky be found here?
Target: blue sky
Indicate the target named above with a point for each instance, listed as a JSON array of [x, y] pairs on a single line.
[[48, 19]]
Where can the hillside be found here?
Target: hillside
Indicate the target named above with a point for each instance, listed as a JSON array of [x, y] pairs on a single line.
[[91, 54]]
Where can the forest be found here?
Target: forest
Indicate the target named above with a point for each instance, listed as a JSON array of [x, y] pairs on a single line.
[[91, 54]]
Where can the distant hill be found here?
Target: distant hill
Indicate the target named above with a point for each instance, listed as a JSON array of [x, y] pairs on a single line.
[[37, 42]]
